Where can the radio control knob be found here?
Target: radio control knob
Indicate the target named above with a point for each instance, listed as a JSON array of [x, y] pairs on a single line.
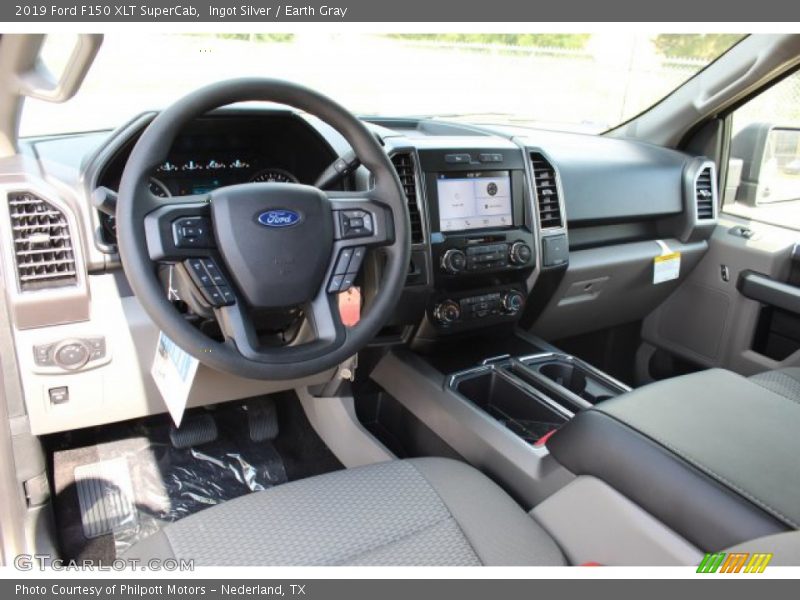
[[513, 301], [454, 261], [520, 253], [447, 312]]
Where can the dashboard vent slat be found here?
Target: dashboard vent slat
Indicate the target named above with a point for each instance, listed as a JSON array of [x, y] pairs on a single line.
[[43, 251], [547, 199], [704, 194], [404, 165]]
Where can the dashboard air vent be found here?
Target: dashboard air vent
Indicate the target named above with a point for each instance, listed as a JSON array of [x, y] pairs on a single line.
[[704, 194], [544, 178], [404, 165], [42, 244]]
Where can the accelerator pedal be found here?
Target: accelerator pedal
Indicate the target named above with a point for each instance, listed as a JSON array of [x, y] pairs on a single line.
[[196, 430]]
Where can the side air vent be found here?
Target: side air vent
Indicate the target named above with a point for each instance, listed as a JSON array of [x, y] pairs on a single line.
[[43, 250], [544, 178], [404, 165], [704, 194]]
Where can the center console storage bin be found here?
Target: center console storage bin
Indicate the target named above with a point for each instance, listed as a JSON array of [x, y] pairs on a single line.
[[510, 402]]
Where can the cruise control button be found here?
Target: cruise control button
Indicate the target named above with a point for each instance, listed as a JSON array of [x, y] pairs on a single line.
[[214, 272]]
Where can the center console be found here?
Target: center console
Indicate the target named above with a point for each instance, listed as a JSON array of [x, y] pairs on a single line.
[[481, 239], [535, 395]]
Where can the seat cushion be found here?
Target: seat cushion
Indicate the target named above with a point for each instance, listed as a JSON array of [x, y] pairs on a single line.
[[428, 511], [785, 382]]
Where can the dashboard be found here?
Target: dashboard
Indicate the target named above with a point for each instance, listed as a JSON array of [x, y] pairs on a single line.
[[549, 230]]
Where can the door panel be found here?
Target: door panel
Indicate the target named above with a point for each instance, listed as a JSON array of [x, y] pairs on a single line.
[[709, 321]]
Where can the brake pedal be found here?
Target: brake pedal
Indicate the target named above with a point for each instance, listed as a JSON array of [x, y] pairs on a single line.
[[195, 430], [262, 419]]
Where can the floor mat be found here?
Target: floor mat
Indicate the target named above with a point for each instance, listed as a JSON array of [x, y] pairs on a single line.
[[122, 483], [105, 496]]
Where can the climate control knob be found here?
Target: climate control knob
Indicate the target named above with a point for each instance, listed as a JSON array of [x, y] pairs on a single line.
[[454, 261], [519, 253], [513, 301], [447, 312]]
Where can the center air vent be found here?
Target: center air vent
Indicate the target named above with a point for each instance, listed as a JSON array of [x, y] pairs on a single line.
[[704, 194], [404, 165], [42, 245], [544, 179]]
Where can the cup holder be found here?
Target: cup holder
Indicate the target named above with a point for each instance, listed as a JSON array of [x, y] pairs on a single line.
[[567, 376], [571, 381]]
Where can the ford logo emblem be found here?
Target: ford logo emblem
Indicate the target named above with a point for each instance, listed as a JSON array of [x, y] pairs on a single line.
[[279, 218]]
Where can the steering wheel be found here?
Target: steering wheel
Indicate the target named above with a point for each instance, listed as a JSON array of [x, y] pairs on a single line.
[[257, 246]]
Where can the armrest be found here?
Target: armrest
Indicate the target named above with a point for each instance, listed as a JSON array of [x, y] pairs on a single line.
[[767, 290], [712, 455]]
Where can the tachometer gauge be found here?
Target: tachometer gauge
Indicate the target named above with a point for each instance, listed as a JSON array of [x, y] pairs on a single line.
[[274, 175], [157, 188]]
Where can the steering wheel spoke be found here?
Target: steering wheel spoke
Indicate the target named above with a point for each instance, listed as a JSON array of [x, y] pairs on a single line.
[[179, 228], [240, 332]]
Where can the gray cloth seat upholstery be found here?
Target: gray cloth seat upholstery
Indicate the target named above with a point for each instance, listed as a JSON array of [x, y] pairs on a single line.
[[428, 511], [784, 382]]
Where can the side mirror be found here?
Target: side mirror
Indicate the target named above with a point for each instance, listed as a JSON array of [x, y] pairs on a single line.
[[768, 158]]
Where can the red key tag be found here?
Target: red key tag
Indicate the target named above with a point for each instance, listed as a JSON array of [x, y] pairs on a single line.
[[350, 306]]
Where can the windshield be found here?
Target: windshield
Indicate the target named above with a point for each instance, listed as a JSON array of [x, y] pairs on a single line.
[[580, 82]]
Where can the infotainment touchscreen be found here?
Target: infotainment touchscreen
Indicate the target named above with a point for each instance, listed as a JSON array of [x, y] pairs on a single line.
[[474, 200]]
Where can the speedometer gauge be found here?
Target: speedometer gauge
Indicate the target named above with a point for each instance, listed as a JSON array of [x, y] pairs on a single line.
[[157, 188], [274, 175]]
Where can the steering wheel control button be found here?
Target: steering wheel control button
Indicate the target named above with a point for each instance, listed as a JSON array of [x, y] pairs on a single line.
[[355, 223], [335, 284], [228, 296], [347, 282], [213, 271], [213, 296], [205, 273], [343, 261], [198, 273], [356, 260], [192, 232]]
